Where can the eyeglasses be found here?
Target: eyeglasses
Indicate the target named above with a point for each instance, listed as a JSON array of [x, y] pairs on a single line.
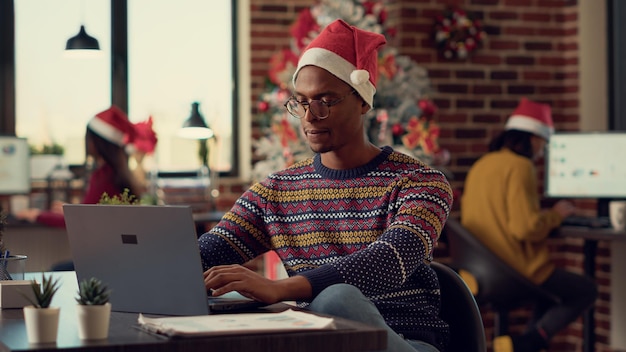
[[319, 108]]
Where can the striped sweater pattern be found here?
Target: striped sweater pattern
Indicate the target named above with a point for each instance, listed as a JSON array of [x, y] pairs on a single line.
[[373, 227]]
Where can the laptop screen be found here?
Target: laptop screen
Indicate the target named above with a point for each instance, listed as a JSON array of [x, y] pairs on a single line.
[[148, 256]]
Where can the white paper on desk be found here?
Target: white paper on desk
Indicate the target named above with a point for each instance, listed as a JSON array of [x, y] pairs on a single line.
[[221, 324]]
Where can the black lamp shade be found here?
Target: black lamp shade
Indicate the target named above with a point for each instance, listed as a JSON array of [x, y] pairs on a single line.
[[195, 127], [82, 41]]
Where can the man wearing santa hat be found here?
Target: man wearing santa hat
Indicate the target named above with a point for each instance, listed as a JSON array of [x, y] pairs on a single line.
[[500, 206], [355, 225]]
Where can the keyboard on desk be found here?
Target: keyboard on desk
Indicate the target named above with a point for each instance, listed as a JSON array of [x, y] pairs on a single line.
[[587, 221]]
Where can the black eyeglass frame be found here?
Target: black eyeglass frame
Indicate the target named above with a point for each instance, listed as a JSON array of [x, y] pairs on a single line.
[[306, 105]]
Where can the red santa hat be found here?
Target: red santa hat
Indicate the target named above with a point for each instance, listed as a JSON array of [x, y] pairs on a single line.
[[145, 137], [532, 117], [349, 53], [112, 124]]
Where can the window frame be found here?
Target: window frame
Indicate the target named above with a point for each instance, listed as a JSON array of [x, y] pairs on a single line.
[[119, 72]]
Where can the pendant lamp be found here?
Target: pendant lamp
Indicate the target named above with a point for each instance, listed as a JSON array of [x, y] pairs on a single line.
[[82, 41]]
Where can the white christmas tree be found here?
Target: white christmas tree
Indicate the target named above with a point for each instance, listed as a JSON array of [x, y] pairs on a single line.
[[402, 115]]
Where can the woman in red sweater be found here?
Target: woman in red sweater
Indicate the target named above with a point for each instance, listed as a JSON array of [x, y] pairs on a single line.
[[108, 138]]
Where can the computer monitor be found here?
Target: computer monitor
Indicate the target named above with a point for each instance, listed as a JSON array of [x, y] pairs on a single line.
[[14, 166], [586, 165]]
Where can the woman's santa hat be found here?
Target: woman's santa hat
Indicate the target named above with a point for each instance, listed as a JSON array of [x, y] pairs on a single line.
[[347, 52], [532, 117], [113, 125]]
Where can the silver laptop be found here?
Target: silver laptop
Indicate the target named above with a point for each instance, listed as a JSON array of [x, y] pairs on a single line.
[[148, 256]]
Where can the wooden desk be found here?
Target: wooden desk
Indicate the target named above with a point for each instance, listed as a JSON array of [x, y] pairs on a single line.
[[123, 336], [591, 236]]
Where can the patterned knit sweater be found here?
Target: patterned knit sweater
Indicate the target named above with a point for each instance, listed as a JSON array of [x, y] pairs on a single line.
[[373, 227]]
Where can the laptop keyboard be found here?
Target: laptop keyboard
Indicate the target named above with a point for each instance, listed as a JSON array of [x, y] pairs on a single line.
[[587, 221]]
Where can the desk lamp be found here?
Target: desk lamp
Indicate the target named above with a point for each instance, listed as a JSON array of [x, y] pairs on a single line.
[[195, 127]]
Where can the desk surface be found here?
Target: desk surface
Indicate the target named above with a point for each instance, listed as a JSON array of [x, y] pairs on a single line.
[[123, 335]]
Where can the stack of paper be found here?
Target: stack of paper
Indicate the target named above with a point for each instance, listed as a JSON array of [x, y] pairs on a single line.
[[221, 324]]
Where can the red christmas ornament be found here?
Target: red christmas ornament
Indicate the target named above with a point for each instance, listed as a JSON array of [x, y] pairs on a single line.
[[428, 107], [263, 106], [397, 129]]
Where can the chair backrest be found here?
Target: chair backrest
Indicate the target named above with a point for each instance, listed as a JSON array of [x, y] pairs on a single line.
[[459, 310], [498, 283]]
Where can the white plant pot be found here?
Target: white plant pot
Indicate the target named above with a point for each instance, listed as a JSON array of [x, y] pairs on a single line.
[[93, 321], [42, 324]]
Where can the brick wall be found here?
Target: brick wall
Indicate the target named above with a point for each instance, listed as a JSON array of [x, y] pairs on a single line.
[[531, 50]]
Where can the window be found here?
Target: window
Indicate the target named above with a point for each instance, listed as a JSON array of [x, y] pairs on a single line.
[[56, 95], [179, 52]]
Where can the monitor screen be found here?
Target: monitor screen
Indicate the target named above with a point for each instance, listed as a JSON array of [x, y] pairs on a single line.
[[586, 165], [14, 166]]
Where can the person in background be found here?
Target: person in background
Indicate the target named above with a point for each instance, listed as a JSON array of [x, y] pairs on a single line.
[[355, 225], [500, 206], [108, 139]]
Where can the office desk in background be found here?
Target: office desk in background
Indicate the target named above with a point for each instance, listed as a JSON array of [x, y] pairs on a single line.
[[591, 236], [44, 245], [123, 336]]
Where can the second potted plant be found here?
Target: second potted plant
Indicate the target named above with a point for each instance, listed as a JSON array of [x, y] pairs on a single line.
[[93, 310]]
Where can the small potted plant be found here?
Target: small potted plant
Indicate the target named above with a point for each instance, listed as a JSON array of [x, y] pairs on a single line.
[[94, 309], [42, 321]]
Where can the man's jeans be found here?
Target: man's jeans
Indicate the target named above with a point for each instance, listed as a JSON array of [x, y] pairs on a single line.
[[347, 301]]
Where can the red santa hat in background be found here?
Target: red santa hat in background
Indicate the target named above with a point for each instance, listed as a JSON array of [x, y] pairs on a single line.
[[349, 53], [113, 125], [533, 117], [145, 137]]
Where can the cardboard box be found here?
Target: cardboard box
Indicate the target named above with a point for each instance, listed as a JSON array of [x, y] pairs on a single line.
[[11, 293]]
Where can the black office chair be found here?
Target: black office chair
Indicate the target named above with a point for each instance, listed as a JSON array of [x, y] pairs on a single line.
[[498, 285], [459, 310]]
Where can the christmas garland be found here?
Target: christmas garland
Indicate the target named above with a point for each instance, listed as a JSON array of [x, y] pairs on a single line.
[[457, 34]]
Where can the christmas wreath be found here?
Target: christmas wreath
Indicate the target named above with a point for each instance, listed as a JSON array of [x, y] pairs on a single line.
[[457, 34]]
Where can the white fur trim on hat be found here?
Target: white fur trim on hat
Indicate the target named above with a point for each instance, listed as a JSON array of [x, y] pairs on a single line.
[[340, 68], [106, 131], [529, 124]]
